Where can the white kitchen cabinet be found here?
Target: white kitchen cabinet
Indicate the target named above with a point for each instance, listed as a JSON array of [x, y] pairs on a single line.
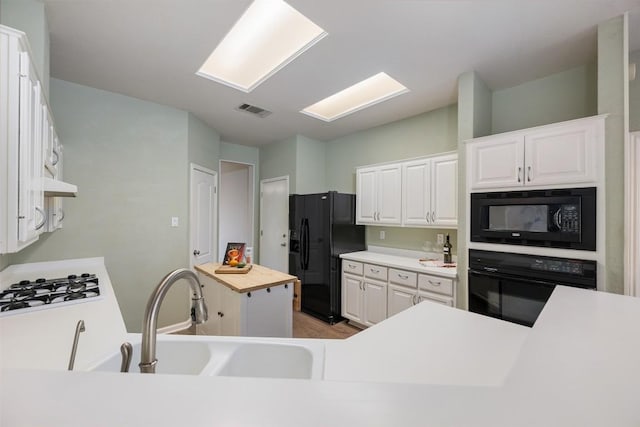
[[378, 200], [265, 312], [400, 298], [27, 143], [559, 154], [430, 191], [364, 293]]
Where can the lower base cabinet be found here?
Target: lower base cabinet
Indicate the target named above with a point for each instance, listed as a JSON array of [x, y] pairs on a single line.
[[364, 301], [367, 301], [262, 313]]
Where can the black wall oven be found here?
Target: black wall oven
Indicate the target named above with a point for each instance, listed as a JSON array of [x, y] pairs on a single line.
[[560, 218], [515, 287]]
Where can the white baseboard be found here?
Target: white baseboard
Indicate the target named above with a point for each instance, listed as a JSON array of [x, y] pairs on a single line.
[[176, 327]]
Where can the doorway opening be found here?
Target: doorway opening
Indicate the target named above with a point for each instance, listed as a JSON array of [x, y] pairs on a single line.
[[236, 201]]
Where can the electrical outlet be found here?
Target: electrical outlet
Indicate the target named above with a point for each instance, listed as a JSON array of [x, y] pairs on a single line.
[[382, 235], [174, 221], [441, 239]]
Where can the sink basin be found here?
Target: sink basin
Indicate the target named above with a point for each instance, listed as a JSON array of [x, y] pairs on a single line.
[[174, 357], [269, 360], [228, 356]]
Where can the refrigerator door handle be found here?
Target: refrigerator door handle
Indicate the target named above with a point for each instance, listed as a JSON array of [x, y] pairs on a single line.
[[306, 243], [302, 244]]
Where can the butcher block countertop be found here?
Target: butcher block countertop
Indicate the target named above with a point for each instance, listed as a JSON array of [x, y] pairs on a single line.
[[258, 277]]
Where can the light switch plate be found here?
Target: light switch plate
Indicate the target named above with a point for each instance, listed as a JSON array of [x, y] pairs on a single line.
[[382, 235], [440, 239], [174, 221]]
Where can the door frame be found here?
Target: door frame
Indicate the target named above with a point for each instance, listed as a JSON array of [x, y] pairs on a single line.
[[193, 167], [266, 181], [253, 200], [632, 210]]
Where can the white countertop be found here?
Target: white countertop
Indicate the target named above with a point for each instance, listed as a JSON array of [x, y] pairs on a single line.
[[55, 325], [578, 365], [401, 262]]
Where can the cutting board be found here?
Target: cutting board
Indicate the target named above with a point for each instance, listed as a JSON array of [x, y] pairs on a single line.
[[227, 269]]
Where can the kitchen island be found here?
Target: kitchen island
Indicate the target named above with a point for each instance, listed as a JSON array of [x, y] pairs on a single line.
[[576, 366], [257, 303]]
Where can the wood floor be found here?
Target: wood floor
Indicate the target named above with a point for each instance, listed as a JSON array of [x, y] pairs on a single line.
[[305, 326]]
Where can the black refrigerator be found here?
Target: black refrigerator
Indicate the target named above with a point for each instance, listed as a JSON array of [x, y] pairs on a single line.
[[322, 226]]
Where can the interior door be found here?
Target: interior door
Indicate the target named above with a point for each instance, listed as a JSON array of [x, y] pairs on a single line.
[[274, 223], [203, 210]]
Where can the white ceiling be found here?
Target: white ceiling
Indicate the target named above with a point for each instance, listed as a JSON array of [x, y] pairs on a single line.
[[151, 49]]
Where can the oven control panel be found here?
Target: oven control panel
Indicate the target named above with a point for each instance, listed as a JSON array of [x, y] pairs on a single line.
[[569, 267]]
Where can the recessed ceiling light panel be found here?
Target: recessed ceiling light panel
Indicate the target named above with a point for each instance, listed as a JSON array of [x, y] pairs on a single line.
[[361, 95], [268, 36]]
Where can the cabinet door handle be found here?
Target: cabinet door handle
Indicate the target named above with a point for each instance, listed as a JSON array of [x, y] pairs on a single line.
[[519, 173], [529, 173], [413, 299], [196, 252], [434, 283], [403, 276], [374, 271], [427, 217], [351, 266], [433, 216], [44, 218], [61, 215], [57, 159]]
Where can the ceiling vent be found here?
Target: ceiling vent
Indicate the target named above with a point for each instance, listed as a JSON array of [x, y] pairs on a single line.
[[252, 109]]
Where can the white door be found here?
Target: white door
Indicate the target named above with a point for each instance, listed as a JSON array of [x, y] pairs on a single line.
[[375, 302], [561, 155], [352, 297], [444, 190], [416, 198], [498, 162], [390, 194], [399, 299], [203, 214], [366, 196], [274, 223]]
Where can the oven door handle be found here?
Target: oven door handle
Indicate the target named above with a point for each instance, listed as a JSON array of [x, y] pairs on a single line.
[[512, 277]]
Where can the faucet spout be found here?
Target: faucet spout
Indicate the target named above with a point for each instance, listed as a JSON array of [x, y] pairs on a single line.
[[199, 314]]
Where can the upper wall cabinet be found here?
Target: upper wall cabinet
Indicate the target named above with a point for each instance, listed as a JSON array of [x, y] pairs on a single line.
[[378, 198], [413, 193], [27, 144], [429, 191], [559, 154]]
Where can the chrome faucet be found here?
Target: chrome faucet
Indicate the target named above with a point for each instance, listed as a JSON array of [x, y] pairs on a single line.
[[150, 325]]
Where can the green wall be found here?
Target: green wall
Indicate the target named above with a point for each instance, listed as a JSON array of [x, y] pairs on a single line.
[[612, 87], [634, 93], [562, 96], [279, 159], [129, 159], [310, 166], [474, 120], [29, 16], [429, 133], [204, 144]]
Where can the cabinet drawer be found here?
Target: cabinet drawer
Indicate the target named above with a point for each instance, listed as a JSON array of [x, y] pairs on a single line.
[[352, 267], [436, 284], [401, 277], [375, 272]]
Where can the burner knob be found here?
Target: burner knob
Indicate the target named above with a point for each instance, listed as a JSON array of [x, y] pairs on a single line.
[[85, 275], [41, 280], [72, 276], [24, 282]]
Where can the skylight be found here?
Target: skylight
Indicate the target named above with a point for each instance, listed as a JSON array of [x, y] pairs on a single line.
[[269, 35], [364, 94]]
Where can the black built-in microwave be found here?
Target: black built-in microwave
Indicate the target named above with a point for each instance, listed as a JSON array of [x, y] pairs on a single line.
[[558, 218]]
